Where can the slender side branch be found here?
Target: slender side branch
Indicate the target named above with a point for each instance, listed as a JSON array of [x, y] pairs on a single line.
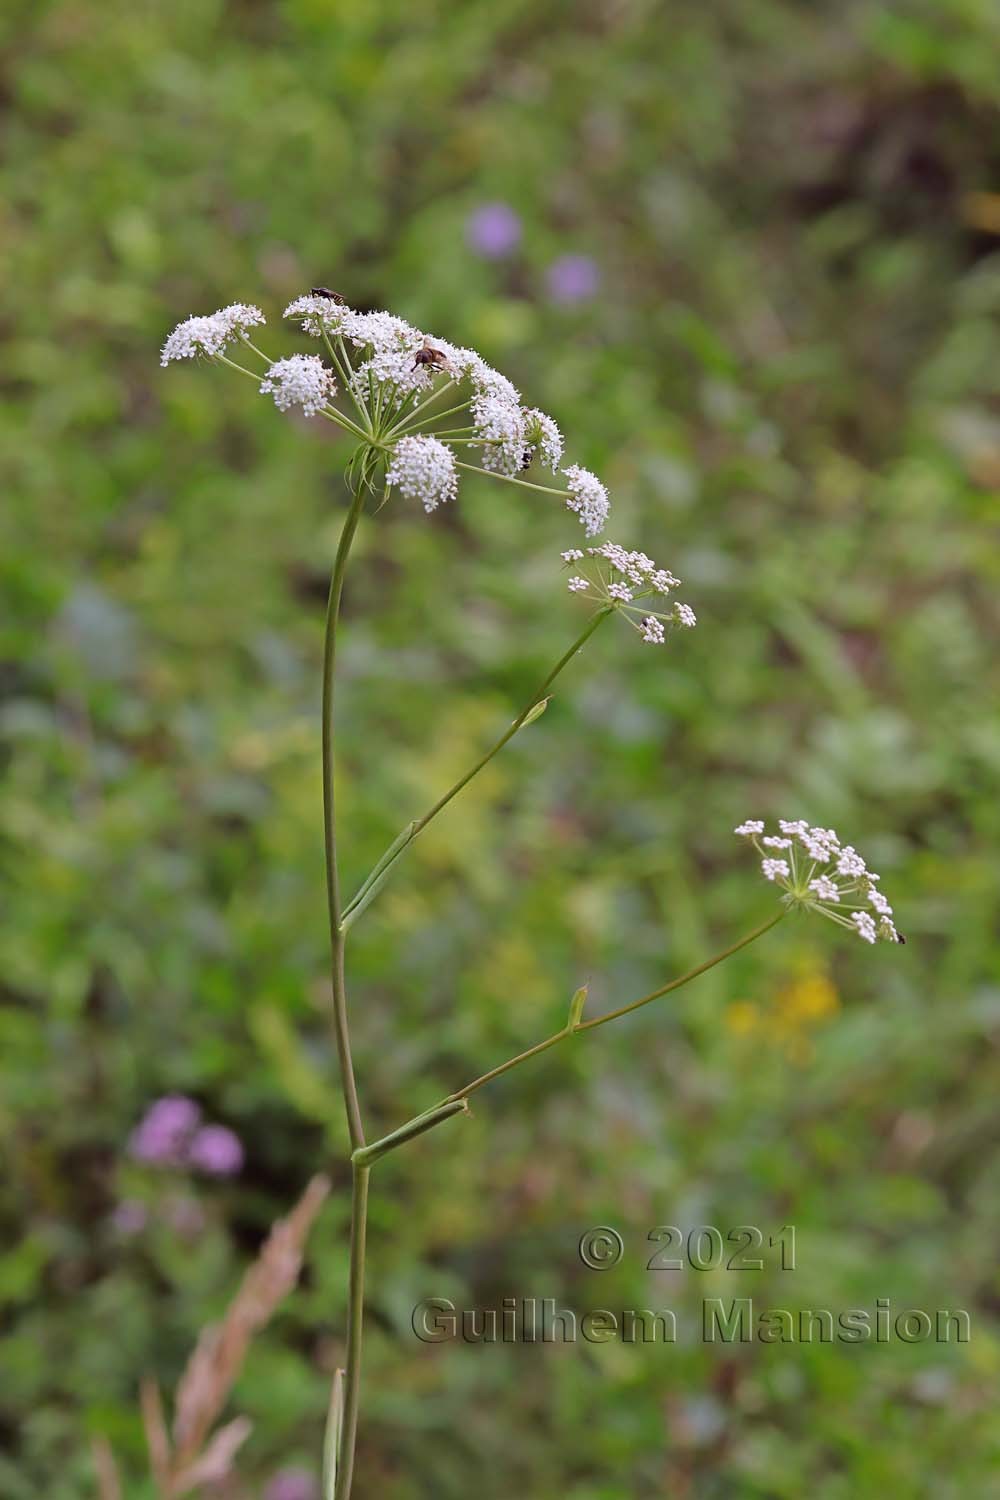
[[341, 1031], [665, 989], [526, 484], [331, 413], [374, 881], [408, 418]]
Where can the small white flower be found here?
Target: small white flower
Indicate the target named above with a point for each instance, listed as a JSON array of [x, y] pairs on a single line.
[[423, 469], [866, 927], [395, 374], [835, 892], [850, 862], [383, 333], [588, 498], [301, 380], [210, 335], [320, 314], [499, 423], [577, 585], [486, 380], [633, 577], [543, 434], [821, 844]]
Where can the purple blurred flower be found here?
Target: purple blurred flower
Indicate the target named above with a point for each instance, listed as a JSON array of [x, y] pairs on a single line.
[[292, 1484], [129, 1217], [216, 1150], [163, 1133], [573, 278], [493, 230]]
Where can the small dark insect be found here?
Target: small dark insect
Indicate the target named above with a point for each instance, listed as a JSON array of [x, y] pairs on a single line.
[[428, 355], [900, 938], [324, 291], [526, 458]]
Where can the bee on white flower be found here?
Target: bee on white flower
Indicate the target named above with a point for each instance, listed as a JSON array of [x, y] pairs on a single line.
[[822, 875], [543, 436], [387, 377]]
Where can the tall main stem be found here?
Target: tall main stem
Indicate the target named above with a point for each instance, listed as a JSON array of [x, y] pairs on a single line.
[[359, 1196], [340, 1026], [355, 1329]]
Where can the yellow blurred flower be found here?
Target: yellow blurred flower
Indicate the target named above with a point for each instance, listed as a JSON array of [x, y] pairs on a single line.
[[798, 1008]]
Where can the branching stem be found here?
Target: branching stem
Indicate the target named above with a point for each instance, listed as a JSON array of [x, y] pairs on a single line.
[[379, 874]]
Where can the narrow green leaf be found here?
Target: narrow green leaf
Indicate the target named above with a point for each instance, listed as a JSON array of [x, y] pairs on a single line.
[[576, 1005], [331, 1438], [535, 713]]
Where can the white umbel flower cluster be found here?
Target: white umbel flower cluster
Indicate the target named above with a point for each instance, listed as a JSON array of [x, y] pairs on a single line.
[[543, 437], [621, 578], [423, 469], [588, 497], [818, 873], [301, 380], [501, 428], [212, 334], [392, 378]]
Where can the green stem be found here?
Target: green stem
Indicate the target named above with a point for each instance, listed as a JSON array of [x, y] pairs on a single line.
[[344, 371], [330, 412], [526, 484], [333, 415], [665, 989], [355, 1331], [341, 1030], [406, 419], [373, 883]]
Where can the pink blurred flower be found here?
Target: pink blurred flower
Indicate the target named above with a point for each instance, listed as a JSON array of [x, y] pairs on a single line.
[[292, 1484], [573, 278], [493, 230], [164, 1132], [217, 1150]]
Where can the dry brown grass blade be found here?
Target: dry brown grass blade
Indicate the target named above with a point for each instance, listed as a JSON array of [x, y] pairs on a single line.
[[219, 1353], [157, 1440], [215, 1463], [109, 1485]]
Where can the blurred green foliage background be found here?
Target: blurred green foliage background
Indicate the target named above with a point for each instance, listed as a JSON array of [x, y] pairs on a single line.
[[789, 380]]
